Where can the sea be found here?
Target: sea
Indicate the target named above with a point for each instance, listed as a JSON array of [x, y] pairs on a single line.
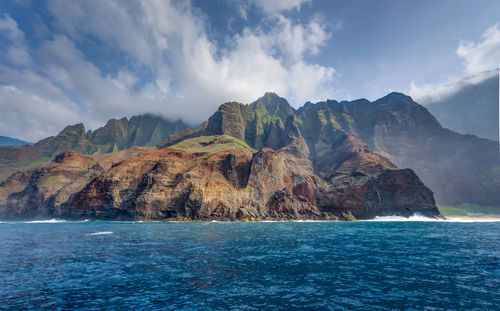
[[386, 264]]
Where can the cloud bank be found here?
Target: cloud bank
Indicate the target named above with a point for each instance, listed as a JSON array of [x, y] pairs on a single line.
[[430, 93], [481, 56], [480, 59], [151, 56]]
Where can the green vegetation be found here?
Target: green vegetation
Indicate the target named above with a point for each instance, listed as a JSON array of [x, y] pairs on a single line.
[[89, 166], [321, 148], [88, 148], [72, 130], [37, 162], [5, 160], [308, 127], [212, 144], [466, 209], [52, 178], [322, 117]]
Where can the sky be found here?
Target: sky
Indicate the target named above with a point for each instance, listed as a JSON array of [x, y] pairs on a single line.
[[64, 62]]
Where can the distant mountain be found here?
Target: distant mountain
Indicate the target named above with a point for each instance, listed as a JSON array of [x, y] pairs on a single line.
[[473, 109], [144, 130], [215, 174], [8, 141], [458, 168]]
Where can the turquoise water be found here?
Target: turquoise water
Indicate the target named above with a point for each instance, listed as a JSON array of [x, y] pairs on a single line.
[[250, 266]]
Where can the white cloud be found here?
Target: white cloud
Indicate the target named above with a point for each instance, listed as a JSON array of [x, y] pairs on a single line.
[[193, 76], [478, 58], [17, 52], [278, 6], [190, 76], [484, 55], [33, 107], [118, 23], [429, 93], [296, 40], [9, 25], [101, 97], [270, 7]]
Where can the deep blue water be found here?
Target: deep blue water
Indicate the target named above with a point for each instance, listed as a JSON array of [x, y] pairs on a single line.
[[250, 266]]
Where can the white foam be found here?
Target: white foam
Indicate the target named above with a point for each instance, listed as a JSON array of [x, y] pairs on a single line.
[[100, 233], [458, 219], [46, 221], [418, 217], [415, 217]]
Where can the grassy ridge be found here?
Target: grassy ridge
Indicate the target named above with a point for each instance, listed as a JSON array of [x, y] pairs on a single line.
[[37, 162], [466, 209], [212, 144]]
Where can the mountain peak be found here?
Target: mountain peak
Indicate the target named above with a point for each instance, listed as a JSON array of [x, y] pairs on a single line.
[[271, 94], [275, 105], [397, 96], [75, 129], [271, 97]]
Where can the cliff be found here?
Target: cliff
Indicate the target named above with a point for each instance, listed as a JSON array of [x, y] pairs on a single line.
[[267, 160], [458, 168], [217, 177]]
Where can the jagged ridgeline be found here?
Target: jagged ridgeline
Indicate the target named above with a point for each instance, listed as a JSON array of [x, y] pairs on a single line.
[[458, 168], [246, 162], [264, 160], [144, 130]]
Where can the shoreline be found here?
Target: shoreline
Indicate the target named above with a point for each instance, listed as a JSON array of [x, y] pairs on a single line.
[[475, 217], [450, 219]]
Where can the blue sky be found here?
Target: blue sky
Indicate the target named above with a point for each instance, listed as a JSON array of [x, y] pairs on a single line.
[[63, 62]]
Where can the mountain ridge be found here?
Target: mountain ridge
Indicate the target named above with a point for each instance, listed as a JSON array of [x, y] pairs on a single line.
[[225, 170], [115, 135], [349, 152], [394, 126], [228, 183], [9, 141]]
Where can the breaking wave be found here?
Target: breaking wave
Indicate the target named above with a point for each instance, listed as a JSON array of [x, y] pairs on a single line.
[[46, 221], [100, 233], [418, 217]]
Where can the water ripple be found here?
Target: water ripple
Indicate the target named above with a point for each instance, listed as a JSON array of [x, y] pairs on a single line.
[[250, 266]]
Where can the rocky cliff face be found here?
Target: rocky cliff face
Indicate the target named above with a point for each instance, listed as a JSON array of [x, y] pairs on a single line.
[[259, 124], [225, 184], [44, 190], [265, 160], [458, 168]]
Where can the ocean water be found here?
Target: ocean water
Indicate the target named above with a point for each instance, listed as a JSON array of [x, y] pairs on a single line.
[[377, 265]]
